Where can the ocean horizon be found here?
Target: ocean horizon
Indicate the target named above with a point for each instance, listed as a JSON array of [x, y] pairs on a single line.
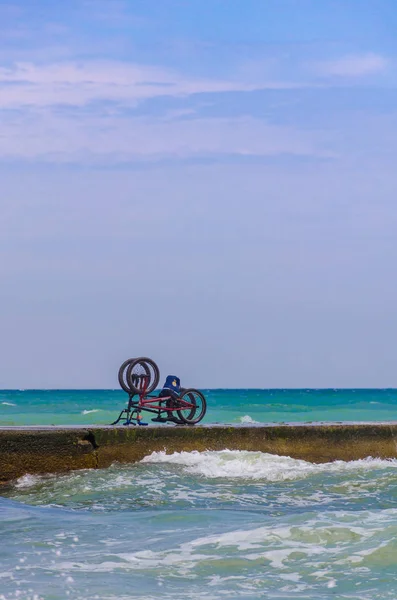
[[101, 406]]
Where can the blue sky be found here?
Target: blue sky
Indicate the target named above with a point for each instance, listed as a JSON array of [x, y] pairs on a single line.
[[211, 184]]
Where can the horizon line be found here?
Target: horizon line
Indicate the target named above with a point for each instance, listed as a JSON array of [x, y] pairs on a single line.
[[202, 388]]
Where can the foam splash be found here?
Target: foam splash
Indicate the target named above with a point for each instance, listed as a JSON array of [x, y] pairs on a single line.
[[247, 420], [87, 412], [242, 464], [27, 481], [8, 404]]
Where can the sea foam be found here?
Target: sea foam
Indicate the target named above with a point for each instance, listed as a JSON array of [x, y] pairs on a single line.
[[258, 465], [246, 419]]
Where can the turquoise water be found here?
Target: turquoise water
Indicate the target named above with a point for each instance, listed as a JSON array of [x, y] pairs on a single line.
[[203, 525], [46, 407]]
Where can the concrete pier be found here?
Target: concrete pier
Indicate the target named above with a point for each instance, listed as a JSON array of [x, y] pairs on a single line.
[[39, 450]]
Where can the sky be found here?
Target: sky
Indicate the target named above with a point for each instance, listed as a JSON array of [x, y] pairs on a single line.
[[210, 184]]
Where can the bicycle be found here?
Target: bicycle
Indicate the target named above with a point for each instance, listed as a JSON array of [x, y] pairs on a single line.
[[140, 377]]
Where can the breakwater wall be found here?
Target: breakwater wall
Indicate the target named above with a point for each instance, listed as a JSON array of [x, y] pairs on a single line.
[[39, 450]]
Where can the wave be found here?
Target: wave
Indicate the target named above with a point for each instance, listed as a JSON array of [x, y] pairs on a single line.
[[27, 481], [241, 464], [8, 404], [87, 412], [328, 546], [247, 420]]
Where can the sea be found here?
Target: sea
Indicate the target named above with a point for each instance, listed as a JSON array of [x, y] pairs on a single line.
[[203, 525]]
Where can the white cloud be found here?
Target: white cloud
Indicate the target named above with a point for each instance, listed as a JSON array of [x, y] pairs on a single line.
[[358, 65], [58, 138], [78, 84], [35, 125]]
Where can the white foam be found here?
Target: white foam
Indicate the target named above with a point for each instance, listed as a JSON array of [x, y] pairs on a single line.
[[258, 465], [274, 544], [276, 547], [8, 404], [87, 412], [247, 419], [27, 481]]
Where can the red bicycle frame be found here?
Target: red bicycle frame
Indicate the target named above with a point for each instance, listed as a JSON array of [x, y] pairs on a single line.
[[151, 404]]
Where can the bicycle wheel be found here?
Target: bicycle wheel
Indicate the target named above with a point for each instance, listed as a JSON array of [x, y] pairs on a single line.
[[192, 415], [122, 376], [142, 372]]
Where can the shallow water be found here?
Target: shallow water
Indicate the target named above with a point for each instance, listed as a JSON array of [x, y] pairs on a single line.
[[203, 525]]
